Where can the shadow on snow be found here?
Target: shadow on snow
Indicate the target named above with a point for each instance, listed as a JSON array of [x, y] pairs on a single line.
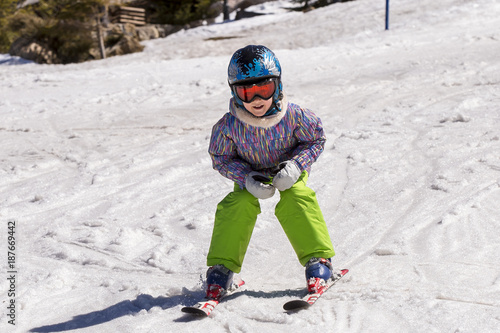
[[146, 302], [125, 308]]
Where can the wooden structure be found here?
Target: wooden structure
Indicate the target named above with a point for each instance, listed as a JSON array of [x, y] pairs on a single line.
[[133, 15]]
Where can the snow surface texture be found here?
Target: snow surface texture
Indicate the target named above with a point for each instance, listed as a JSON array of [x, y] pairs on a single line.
[[104, 166]]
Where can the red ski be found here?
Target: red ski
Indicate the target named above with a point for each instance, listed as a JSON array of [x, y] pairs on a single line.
[[311, 298], [205, 307]]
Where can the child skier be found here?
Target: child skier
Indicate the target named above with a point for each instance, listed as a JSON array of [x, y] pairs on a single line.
[[262, 144]]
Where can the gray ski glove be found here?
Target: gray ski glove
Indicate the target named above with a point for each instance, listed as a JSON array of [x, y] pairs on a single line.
[[287, 176], [255, 184]]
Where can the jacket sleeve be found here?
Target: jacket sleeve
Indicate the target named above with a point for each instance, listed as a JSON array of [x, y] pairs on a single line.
[[311, 137], [224, 156]]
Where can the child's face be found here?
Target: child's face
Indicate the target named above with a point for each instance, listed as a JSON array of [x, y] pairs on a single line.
[[258, 107]]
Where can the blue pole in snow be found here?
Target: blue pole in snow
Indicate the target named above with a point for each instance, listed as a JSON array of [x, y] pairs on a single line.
[[386, 14]]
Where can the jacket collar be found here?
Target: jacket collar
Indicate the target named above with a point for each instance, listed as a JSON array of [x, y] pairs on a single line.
[[264, 122]]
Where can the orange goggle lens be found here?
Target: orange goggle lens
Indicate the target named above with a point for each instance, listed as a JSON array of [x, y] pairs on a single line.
[[248, 93]]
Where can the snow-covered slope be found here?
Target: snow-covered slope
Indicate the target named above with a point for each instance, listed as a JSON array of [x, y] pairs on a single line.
[[104, 168]]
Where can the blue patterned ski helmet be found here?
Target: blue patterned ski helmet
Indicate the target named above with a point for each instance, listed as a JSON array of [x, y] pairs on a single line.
[[253, 63]]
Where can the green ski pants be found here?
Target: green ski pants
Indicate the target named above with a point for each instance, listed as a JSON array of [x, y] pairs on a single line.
[[297, 211]]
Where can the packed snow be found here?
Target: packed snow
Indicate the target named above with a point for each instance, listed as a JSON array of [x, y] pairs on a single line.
[[105, 171]]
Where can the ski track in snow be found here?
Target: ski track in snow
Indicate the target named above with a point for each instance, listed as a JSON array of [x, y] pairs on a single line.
[[104, 166]]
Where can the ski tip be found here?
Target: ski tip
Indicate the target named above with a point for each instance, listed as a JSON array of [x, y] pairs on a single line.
[[296, 305], [239, 283], [344, 271], [194, 311]]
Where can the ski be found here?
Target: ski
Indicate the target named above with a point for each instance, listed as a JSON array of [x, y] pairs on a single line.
[[311, 298], [204, 308]]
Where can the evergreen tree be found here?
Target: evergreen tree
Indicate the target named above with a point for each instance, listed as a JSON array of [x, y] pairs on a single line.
[[7, 9], [66, 27], [63, 26], [178, 11]]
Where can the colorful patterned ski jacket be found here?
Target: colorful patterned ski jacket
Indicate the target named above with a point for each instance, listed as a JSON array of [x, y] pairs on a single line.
[[242, 143]]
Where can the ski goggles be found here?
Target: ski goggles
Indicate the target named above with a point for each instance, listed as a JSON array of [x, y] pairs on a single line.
[[263, 89]]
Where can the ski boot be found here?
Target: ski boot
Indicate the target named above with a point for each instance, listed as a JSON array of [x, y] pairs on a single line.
[[318, 271], [219, 279]]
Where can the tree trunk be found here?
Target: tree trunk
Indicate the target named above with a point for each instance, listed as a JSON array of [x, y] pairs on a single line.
[[225, 10], [102, 49]]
